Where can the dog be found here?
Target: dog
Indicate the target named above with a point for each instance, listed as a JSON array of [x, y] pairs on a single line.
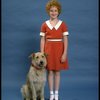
[[36, 77]]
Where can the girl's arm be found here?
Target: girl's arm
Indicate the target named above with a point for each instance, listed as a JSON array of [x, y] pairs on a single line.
[[63, 59], [42, 43], [65, 44]]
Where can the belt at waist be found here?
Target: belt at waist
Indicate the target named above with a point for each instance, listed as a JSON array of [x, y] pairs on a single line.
[[54, 39]]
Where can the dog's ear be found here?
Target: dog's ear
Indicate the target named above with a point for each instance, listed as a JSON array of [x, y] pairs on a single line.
[[32, 55], [45, 54]]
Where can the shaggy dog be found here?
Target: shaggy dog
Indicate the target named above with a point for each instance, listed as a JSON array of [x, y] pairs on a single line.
[[34, 87]]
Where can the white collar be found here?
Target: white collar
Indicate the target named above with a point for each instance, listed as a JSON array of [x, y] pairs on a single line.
[[56, 26]]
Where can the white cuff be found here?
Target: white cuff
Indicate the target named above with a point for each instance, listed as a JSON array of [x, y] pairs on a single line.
[[42, 34], [65, 33]]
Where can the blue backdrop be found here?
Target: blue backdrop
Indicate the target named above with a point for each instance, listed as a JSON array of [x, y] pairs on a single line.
[[21, 22]]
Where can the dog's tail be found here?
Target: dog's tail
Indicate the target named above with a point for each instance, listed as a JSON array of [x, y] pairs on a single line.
[[23, 90]]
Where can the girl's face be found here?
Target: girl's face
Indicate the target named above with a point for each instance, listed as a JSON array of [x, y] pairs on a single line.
[[53, 12]]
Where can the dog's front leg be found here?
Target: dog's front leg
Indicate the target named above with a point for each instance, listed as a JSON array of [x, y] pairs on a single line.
[[26, 99], [42, 93], [34, 96], [32, 86]]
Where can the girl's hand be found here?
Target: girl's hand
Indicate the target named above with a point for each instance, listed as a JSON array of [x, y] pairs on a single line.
[[63, 58]]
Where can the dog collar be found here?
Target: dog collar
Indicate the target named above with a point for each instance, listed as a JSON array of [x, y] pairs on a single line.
[[36, 67]]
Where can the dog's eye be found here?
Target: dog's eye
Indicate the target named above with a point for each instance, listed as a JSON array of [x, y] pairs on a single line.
[[37, 57], [42, 56]]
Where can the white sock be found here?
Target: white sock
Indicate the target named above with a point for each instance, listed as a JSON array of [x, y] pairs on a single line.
[[56, 95], [51, 95], [56, 92], [51, 92]]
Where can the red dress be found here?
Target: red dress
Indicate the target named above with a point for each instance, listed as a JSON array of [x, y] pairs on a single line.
[[54, 49]]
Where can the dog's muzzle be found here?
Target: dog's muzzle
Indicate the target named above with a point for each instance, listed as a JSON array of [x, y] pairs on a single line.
[[41, 64]]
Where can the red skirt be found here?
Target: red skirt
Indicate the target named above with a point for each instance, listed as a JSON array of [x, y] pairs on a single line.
[[54, 51]]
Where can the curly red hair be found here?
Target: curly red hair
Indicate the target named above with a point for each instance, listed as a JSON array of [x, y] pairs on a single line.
[[54, 3]]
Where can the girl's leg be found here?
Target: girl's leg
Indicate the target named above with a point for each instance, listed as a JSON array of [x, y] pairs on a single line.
[[57, 83], [50, 83]]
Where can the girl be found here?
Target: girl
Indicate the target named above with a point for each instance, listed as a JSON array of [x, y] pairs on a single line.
[[54, 42]]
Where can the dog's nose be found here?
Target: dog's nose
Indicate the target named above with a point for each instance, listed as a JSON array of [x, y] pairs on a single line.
[[41, 62]]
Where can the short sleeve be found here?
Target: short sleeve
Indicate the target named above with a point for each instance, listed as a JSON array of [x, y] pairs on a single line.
[[65, 29], [43, 30]]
